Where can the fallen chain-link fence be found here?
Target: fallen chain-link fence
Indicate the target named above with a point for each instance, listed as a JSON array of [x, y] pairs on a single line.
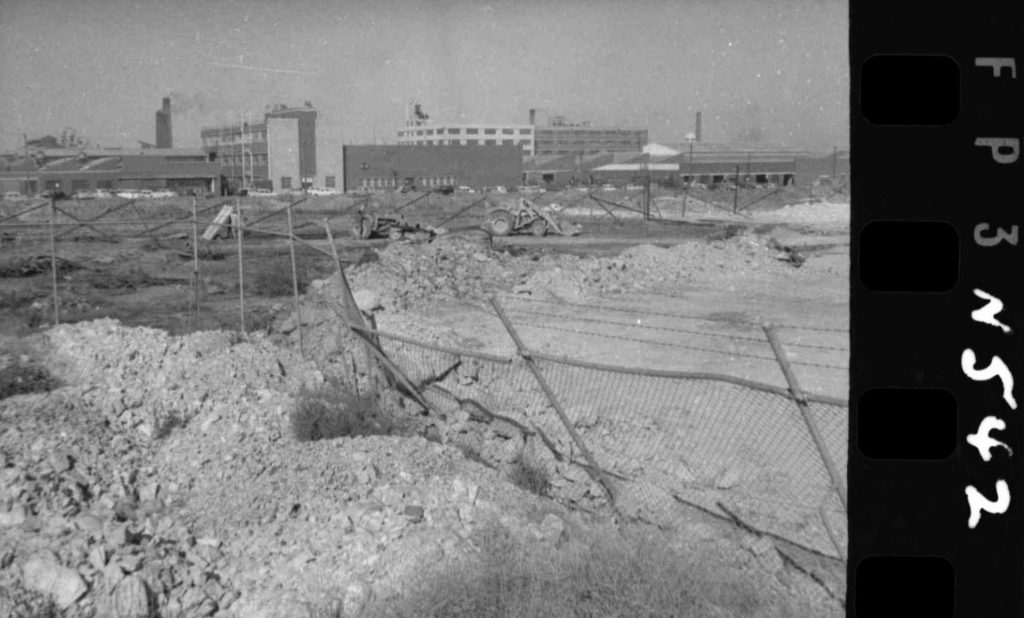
[[728, 446]]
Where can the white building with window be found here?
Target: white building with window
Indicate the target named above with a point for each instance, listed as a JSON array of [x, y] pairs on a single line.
[[469, 135]]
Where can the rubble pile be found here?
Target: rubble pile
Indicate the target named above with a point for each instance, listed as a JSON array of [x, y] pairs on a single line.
[[145, 380], [409, 274], [646, 266], [86, 524], [106, 512]]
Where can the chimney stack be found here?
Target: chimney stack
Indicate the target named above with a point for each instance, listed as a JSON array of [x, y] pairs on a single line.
[[163, 125], [697, 130]]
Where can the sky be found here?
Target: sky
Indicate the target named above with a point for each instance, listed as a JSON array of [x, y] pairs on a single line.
[[774, 69]]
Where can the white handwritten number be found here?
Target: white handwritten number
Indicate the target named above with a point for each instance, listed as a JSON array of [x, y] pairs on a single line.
[[985, 443], [979, 503], [996, 368], [987, 314], [1001, 235]]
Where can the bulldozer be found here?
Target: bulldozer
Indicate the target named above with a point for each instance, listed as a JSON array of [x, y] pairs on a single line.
[[527, 217]]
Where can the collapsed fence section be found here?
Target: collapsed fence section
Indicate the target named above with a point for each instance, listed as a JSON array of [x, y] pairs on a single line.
[[731, 447]]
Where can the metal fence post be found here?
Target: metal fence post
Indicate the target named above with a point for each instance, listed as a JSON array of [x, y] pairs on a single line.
[[195, 264], [241, 279], [53, 264], [295, 281], [596, 472], [838, 483]]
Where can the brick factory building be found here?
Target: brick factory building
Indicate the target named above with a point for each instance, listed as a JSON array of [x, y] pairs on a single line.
[[284, 151], [70, 170], [378, 168]]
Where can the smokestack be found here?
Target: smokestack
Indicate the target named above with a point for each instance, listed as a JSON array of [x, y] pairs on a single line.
[[533, 116], [163, 125], [697, 130]]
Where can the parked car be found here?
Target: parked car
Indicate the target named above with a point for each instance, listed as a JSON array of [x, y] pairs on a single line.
[[262, 193], [85, 194], [164, 194], [465, 189], [14, 196], [129, 194], [445, 190], [102, 194], [609, 187], [531, 189], [323, 191], [55, 194], [634, 187]]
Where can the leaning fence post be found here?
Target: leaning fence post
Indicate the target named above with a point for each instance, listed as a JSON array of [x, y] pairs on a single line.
[[524, 353], [295, 280], [53, 264], [838, 483], [241, 280], [351, 310]]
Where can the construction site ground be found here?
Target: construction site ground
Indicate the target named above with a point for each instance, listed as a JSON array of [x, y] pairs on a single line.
[[223, 512]]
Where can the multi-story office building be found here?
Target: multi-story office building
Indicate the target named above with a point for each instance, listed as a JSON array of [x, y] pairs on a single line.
[[284, 151], [419, 131], [554, 136]]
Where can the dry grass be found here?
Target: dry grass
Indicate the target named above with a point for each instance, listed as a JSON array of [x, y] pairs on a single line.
[[529, 476], [22, 379], [632, 574], [333, 411]]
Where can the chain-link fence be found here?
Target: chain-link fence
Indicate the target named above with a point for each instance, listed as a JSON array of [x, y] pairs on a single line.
[[728, 446]]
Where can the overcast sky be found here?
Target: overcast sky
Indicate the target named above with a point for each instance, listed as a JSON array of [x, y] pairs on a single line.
[[102, 66]]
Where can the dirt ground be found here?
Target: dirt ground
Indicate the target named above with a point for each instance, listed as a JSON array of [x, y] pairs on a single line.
[[174, 471]]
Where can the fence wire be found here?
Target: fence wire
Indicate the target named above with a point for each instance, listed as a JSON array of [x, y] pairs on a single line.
[[664, 437]]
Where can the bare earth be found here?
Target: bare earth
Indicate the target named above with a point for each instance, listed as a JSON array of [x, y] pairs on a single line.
[[161, 469]]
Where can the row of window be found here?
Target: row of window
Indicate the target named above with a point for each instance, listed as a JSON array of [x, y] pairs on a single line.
[[234, 138], [394, 183], [240, 161], [470, 142], [468, 131]]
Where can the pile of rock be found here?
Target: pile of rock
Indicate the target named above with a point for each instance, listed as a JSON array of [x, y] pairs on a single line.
[[88, 527]]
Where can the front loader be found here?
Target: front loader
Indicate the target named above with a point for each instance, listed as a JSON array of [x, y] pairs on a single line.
[[527, 217]]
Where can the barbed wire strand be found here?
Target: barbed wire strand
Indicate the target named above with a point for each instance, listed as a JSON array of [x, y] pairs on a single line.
[[677, 330], [676, 315]]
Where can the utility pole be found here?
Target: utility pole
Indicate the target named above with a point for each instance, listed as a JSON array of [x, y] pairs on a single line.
[[736, 191], [835, 156]]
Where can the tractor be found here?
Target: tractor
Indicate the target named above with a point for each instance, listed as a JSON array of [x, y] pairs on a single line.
[[525, 217], [395, 227]]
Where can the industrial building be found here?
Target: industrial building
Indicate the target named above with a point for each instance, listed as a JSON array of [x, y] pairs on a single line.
[[419, 131], [70, 170], [554, 135], [693, 161], [378, 168], [164, 137], [284, 151], [544, 135]]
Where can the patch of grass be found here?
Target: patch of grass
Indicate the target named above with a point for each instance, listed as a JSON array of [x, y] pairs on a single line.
[[633, 573], [530, 476], [333, 411], [21, 379], [273, 280], [16, 299]]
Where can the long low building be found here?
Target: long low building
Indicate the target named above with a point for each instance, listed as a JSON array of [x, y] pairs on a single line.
[[378, 168], [70, 170]]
